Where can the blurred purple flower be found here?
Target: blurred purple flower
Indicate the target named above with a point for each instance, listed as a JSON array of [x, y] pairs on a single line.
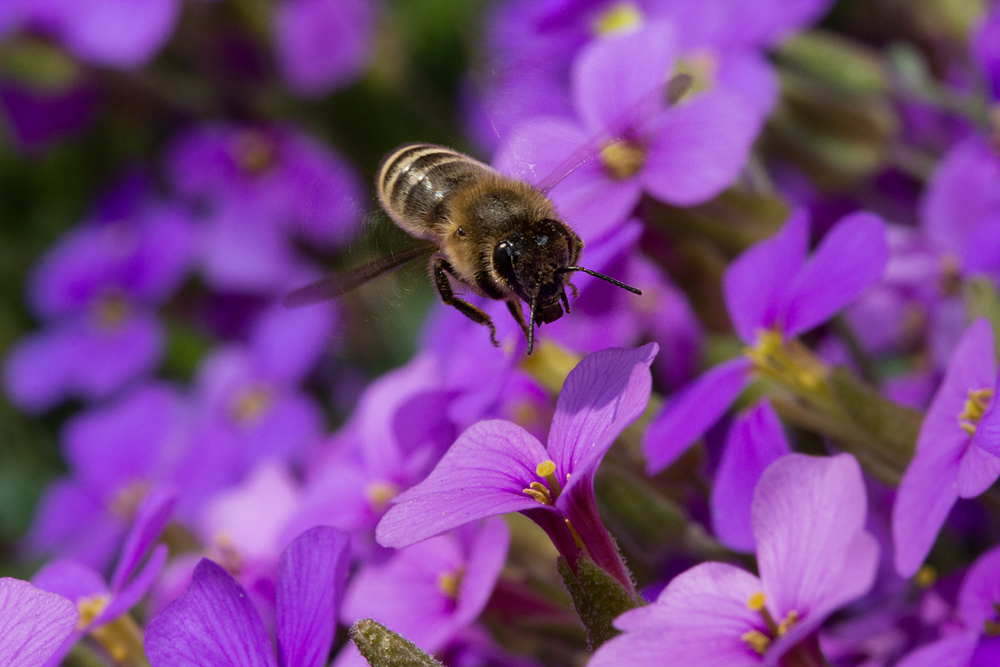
[[432, 591], [33, 623], [755, 441], [117, 454], [36, 117], [323, 44], [96, 290], [101, 603], [958, 450], [496, 467], [814, 557], [263, 187], [975, 643], [214, 622], [773, 294], [683, 155], [985, 45]]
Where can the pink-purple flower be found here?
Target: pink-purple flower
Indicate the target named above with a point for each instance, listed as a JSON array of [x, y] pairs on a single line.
[[33, 623]]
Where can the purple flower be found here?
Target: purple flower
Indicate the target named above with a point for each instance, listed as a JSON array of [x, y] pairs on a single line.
[[430, 592], [117, 454], [975, 642], [773, 294], [814, 557], [101, 603], [37, 117], [683, 155], [958, 450], [33, 623], [755, 441], [263, 187], [323, 44], [497, 467], [96, 290], [986, 49], [214, 623]]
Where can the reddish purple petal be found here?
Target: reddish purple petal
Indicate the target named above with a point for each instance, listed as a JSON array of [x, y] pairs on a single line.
[[135, 590], [692, 411], [981, 590], [755, 441], [484, 474], [33, 623], [612, 75], [312, 573], [287, 343], [953, 651], [977, 471], [812, 549], [70, 579], [700, 147], [602, 395], [850, 258], [755, 283], [151, 518], [212, 623], [486, 558], [323, 44], [37, 369], [117, 33]]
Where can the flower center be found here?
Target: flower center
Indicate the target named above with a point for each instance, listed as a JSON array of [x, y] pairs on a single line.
[[975, 406], [547, 495], [623, 159], [90, 608], [991, 627], [255, 153], [450, 583], [250, 405], [128, 498], [760, 641], [227, 555], [951, 274], [701, 67], [620, 17], [111, 311], [790, 363], [380, 493]]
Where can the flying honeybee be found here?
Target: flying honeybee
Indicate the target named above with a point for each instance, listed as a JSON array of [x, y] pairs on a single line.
[[498, 236]]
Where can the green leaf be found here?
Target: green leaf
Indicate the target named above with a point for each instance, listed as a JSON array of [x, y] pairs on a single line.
[[384, 648]]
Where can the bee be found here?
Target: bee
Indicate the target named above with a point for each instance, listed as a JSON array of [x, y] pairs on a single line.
[[499, 237]]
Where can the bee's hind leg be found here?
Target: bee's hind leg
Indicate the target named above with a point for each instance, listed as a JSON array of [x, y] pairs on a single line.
[[441, 268]]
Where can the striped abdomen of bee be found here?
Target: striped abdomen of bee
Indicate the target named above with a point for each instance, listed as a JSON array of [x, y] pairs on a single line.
[[416, 182]]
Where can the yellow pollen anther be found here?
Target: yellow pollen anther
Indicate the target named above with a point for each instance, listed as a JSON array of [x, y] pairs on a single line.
[[547, 471], [974, 408], [127, 499], [254, 152], [450, 583], [251, 404], [539, 492], [90, 608], [756, 601], [622, 17], [111, 310], [576, 536], [788, 622], [925, 577], [701, 67], [789, 362], [756, 640], [623, 159], [545, 468], [380, 493]]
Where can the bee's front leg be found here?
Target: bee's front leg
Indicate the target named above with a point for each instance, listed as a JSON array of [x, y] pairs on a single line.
[[441, 268]]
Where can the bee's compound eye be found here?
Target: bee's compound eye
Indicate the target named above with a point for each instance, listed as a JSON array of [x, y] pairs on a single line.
[[503, 261]]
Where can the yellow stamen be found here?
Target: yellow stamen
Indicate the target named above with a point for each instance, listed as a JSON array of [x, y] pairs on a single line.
[[122, 639], [539, 492], [576, 536], [789, 362], [756, 601], [380, 493], [227, 554], [450, 583], [127, 499], [111, 311], [547, 471], [701, 67], [974, 408], [251, 404], [756, 640], [89, 609], [622, 17], [925, 577], [255, 153], [623, 159]]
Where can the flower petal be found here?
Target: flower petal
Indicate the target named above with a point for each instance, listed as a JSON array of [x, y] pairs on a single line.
[[312, 573], [808, 518], [981, 590], [692, 411], [953, 651], [487, 556], [755, 441], [850, 258], [33, 623], [212, 623], [755, 283], [151, 517], [602, 395], [482, 475]]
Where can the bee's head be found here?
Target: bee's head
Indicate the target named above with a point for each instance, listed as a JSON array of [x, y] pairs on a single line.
[[536, 263]]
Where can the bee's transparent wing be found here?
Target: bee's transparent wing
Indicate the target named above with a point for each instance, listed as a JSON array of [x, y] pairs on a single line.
[[654, 101], [341, 283]]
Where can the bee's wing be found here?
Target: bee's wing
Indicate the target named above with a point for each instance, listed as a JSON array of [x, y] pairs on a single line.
[[341, 283], [654, 101]]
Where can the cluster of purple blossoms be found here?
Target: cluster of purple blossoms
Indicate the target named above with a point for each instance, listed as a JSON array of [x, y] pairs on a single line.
[[781, 453]]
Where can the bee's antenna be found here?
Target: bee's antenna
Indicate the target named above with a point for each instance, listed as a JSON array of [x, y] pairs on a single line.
[[531, 325], [609, 279]]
